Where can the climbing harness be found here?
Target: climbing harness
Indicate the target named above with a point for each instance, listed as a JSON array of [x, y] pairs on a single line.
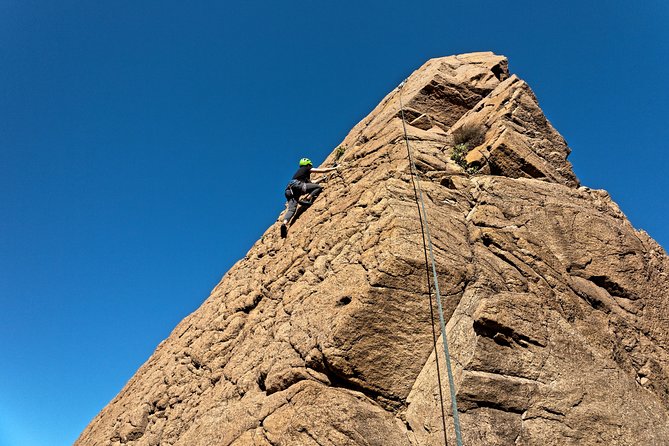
[[295, 185], [427, 247]]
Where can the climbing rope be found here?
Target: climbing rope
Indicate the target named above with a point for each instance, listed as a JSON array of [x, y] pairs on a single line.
[[427, 247]]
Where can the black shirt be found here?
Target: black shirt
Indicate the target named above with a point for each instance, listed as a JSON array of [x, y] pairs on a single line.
[[303, 174]]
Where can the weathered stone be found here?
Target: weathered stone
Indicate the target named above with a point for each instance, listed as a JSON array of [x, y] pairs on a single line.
[[556, 307], [519, 140]]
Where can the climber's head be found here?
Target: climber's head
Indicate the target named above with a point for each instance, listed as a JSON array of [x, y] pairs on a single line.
[[305, 162]]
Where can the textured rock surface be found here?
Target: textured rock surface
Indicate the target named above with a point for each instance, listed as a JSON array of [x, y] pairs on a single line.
[[557, 307], [519, 140]]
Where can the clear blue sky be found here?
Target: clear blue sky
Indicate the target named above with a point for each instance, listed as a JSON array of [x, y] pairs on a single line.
[[144, 146]]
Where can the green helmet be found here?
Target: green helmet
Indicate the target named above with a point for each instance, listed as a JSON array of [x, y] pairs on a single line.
[[305, 162]]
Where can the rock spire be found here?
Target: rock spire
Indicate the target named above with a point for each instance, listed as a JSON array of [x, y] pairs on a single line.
[[557, 307]]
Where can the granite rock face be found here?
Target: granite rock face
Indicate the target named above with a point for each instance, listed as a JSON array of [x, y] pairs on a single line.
[[557, 307]]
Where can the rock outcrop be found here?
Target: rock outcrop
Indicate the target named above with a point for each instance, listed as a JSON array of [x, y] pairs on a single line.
[[557, 307]]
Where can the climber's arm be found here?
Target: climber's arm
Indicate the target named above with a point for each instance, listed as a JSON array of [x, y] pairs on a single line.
[[324, 169]]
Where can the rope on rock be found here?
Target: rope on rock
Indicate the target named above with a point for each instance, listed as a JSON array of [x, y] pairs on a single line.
[[427, 247]]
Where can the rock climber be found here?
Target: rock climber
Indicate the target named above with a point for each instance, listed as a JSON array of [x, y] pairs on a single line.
[[301, 184]]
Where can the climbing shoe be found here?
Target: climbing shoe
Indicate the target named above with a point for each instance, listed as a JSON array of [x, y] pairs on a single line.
[[306, 201], [284, 230]]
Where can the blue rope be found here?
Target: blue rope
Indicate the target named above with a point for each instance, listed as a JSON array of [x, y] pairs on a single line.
[[426, 233]]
